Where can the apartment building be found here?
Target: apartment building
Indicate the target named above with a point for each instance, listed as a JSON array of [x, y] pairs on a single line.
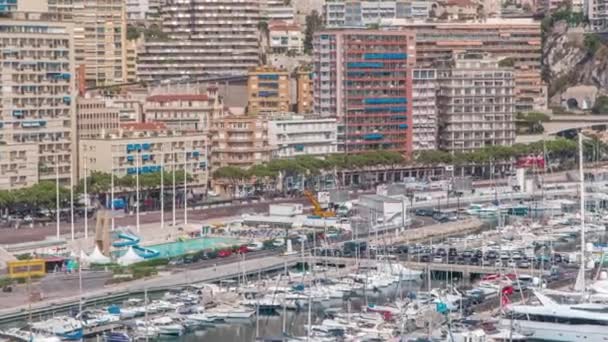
[[37, 106], [363, 13], [517, 40], [295, 135], [184, 112], [476, 102], [100, 28], [267, 90], [424, 113], [304, 86], [240, 141], [131, 61], [203, 38], [364, 77], [284, 37], [96, 117], [142, 10], [8, 6], [597, 13], [144, 150], [277, 10]]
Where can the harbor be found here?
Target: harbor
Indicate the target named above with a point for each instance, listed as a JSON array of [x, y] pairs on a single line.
[[381, 266]]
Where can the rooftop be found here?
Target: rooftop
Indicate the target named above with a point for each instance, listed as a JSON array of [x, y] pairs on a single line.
[[177, 97]]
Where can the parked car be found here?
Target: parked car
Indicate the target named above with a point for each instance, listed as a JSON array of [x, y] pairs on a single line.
[[424, 212], [224, 253]]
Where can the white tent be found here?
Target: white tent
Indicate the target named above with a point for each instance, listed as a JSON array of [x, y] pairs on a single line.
[[129, 258], [98, 258], [83, 256]]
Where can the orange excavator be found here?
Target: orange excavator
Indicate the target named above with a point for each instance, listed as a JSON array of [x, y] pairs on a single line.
[[317, 210]]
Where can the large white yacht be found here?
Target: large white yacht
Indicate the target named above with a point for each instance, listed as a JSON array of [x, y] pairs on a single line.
[[551, 321]]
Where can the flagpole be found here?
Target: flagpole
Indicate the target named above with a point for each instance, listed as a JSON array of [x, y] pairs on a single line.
[[86, 200], [185, 188], [57, 213], [162, 190], [173, 159], [137, 155], [72, 195], [112, 191]]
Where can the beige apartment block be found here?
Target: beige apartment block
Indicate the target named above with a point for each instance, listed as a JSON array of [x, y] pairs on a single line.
[[100, 28], [184, 112], [476, 102], [37, 98], [96, 117], [304, 88], [268, 91], [518, 41], [240, 141], [203, 38], [146, 151]]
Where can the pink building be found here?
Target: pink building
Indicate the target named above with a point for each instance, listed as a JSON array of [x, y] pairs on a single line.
[[364, 77]]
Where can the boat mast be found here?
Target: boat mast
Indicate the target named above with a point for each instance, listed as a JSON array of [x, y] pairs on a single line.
[[581, 175]]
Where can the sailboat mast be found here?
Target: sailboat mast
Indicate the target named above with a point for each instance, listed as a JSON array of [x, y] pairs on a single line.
[[582, 191]]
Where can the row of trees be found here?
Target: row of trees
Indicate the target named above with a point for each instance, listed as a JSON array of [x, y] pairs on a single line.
[[43, 195], [272, 175]]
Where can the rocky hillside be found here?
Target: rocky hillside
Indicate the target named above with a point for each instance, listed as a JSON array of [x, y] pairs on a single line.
[[571, 57]]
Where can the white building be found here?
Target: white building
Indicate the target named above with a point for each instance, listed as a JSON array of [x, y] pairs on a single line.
[[277, 10], [296, 135], [284, 37], [597, 12], [361, 13], [424, 114], [139, 10]]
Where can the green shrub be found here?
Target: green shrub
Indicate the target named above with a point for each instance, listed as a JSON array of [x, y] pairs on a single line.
[[24, 256]]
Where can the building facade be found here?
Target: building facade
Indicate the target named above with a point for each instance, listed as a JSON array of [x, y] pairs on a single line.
[[295, 135], [100, 35], [96, 117], [363, 13], [304, 95], [203, 38], [37, 107], [364, 77], [277, 10], [284, 37], [597, 13], [240, 141], [145, 152], [267, 91], [476, 103], [184, 112], [424, 113], [518, 40]]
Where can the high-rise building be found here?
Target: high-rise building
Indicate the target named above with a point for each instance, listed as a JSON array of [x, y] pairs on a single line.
[[476, 103], [424, 111], [597, 13], [202, 38], [100, 29], [518, 41], [268, 91], [362, 13], [96, 117], [37, 90], [142, 10], [131, 61], [364, 77], [184, 112]]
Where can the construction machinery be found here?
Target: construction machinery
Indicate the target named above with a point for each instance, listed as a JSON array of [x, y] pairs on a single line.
[[316, 207]]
